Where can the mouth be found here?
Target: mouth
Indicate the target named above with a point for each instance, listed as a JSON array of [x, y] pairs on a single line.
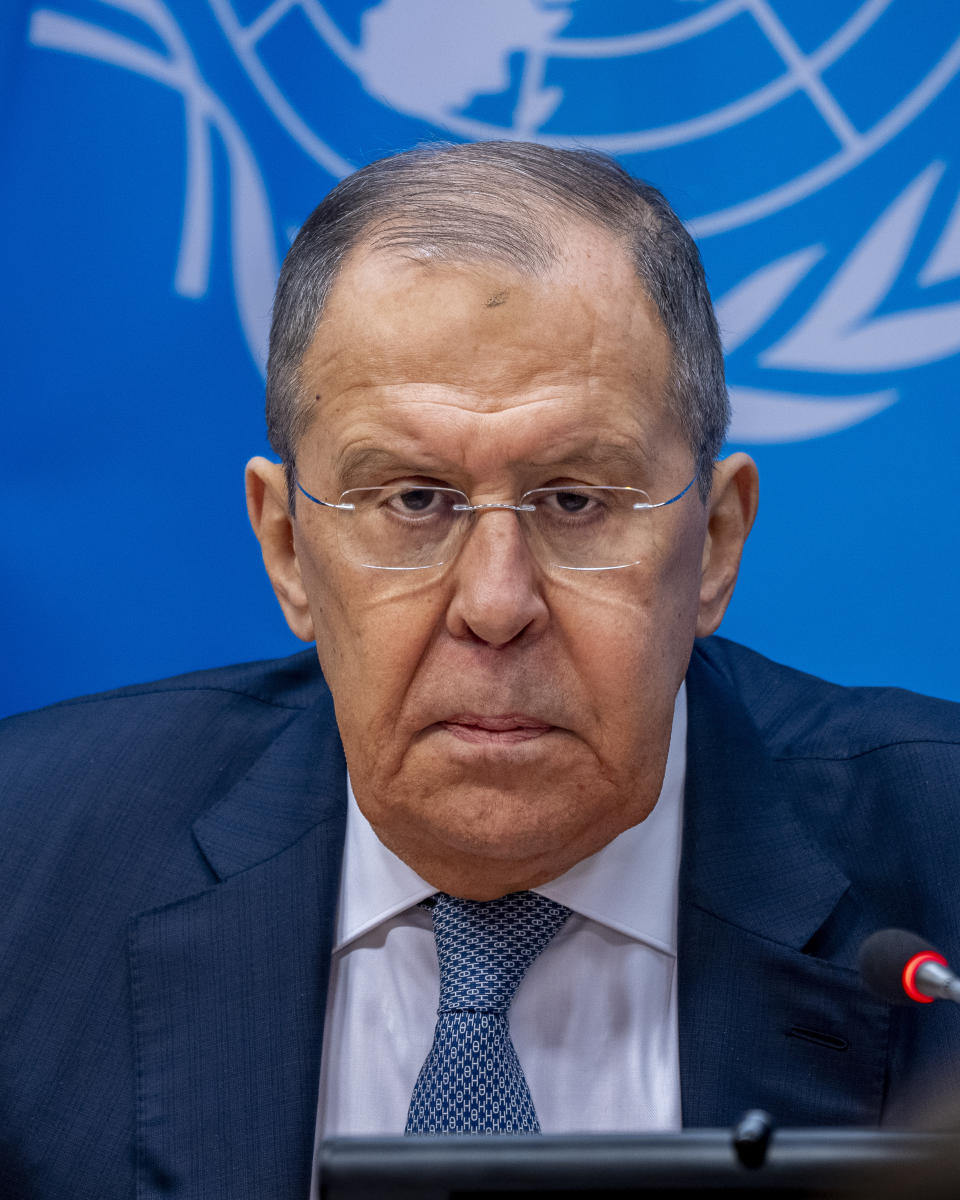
[[505, 729]]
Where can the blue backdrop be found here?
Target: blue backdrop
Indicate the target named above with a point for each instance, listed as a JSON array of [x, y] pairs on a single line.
[[158, 155]]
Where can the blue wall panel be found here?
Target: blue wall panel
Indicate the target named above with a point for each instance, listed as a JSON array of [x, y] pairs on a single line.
[[157, 156]]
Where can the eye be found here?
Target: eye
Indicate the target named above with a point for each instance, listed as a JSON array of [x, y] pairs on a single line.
[[572, 502], [416, 499], [579, 506], [569, 504], [410, 501]]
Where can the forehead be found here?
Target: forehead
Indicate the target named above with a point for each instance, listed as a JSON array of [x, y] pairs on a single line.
[[463, 356]]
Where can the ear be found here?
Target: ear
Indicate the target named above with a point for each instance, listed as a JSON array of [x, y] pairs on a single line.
[[270, 517], [731, 509]]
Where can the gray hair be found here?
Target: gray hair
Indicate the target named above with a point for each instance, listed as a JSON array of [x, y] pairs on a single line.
[[488, 201]]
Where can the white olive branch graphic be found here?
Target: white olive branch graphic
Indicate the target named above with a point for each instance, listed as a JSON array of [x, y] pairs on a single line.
[[844, 331], [253, 249]]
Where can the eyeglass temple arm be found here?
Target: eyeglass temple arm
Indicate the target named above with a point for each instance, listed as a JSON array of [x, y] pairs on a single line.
[[317, 500], [673, 499]]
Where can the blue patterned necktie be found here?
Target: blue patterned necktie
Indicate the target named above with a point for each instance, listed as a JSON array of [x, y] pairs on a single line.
[[472, 1081]]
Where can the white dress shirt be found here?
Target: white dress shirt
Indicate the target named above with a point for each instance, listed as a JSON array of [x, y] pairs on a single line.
[[594, 1020]]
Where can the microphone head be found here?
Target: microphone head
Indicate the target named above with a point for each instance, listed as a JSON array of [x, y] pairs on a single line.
[[882, 959]]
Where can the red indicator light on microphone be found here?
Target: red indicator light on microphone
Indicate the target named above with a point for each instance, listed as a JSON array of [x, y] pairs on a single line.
[[910, 974]]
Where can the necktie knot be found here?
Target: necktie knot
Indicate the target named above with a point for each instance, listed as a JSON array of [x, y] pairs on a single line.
[[485, 947]]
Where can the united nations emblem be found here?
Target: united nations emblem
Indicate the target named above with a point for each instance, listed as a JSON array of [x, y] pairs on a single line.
[[734, 102]]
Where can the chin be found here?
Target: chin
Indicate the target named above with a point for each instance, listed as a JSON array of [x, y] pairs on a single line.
[[504, 827], [491, 822], [481, 842]]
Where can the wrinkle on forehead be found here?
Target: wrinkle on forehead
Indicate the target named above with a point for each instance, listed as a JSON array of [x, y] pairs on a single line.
[[419, 350], [380, 302], [367, 455]]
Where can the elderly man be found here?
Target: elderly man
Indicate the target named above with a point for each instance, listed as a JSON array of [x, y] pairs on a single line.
[[496, 390]]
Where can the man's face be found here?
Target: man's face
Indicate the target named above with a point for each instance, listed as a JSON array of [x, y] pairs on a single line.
[[501, 720]]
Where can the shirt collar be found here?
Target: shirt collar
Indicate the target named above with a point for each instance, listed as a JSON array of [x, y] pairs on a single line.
[[629, 885]]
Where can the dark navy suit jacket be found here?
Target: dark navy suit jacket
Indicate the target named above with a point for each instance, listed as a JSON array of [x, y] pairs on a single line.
[[170, 857]]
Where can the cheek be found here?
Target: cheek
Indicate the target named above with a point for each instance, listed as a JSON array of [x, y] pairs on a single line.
[[631, 633], [372, 632]]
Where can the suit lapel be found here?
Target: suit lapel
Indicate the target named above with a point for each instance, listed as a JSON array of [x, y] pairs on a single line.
[[762, 1023], [229, 986]]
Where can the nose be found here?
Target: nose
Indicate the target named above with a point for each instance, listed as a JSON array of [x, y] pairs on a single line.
[[497, 594]]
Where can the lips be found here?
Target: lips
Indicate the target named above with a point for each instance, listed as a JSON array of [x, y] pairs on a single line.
[[503, 729]]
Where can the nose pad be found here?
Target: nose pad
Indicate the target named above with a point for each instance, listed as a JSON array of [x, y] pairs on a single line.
[[497, 592]]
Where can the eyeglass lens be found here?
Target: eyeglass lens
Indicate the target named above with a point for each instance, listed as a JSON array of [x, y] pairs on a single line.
[[404, 527]]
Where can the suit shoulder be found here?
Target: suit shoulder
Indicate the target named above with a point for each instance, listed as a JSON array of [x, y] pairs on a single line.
[[177, 741], [803, 716], [292, 682]]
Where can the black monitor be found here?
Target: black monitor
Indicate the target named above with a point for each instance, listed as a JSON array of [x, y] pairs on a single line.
[[794, 1163]]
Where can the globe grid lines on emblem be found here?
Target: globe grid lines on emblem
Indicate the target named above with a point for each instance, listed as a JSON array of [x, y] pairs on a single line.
[[533, 30], [836, 335]]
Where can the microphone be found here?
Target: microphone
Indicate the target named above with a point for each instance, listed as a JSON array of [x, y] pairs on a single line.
[[900, 967]]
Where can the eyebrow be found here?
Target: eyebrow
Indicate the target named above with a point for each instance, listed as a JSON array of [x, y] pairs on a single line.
[[355, 460], [359, 460], [606, 455]]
